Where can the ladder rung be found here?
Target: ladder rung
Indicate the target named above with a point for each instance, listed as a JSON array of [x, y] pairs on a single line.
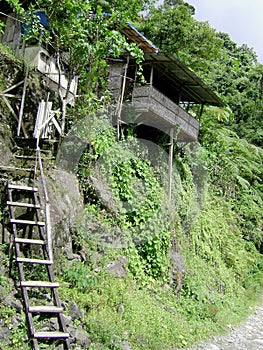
[[13, 168], [22, 187], [29, 241], [50, 335], [27, 222], [25, 157], [44, 284], [45, 309], [34, 261], [21, 204]]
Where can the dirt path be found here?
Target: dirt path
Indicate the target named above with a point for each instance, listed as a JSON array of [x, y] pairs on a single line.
[[248, 336]]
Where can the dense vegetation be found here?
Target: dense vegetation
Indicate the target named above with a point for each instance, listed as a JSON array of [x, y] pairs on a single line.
[[195, 267]]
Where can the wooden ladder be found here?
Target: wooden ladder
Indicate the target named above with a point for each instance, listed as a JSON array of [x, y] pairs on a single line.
[[32, 256]]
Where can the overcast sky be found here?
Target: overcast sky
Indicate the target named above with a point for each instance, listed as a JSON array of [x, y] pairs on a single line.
[[241, 19]]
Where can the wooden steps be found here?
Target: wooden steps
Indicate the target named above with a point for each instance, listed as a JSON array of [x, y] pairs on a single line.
[[22, 204], [22, 187], [29, 241], [34, 261], [47, 335], [31, 249], [45, 309], [18, 156], [39, 284], [12, 169], [27, 222]]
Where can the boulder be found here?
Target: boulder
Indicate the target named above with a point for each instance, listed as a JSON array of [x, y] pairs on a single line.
[[117, 269], [82, 338], [65, 205], [5, 143], [75, 312]]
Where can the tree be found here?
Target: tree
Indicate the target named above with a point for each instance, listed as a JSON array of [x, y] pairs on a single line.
[[173, 29], [237, 76]]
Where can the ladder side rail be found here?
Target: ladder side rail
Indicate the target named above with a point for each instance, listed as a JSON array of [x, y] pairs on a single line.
[[47, 205], [22, 276], [57, 302], [61, 320]]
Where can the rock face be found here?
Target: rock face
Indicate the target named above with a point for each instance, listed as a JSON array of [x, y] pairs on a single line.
[[5, 143], [65, 205], [117, 268]]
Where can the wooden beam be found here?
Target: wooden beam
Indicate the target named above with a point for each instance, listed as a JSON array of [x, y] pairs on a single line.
[[21, 110], [14, 114], [9, 95], [122, 97], [12, 87], [170, 168], [151, 77]]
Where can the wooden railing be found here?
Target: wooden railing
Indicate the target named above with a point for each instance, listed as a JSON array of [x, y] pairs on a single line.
[[39, 166], [47, 204], [149, 100]]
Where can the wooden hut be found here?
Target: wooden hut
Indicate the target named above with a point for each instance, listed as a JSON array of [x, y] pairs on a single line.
[[164, 100]]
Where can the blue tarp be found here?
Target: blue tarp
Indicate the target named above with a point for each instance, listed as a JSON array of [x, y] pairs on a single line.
[[42, 16]]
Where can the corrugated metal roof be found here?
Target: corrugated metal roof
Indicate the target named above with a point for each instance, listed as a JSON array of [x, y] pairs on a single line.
[[173, 74], [138, 38]]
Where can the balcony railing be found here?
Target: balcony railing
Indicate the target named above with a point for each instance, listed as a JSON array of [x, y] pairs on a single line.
[[157, 110]]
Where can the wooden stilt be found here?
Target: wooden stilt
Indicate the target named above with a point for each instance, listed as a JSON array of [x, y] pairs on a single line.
[[170, 169], [122, 98], [151, 76]]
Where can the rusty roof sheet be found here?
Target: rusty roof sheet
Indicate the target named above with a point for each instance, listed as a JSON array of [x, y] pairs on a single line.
[[138, 38]]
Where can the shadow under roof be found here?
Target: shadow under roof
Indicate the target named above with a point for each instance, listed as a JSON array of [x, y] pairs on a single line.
[[170, 73]]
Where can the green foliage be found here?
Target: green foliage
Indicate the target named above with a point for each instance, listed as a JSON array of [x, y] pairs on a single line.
[[173, 29], [83, 35], [87, 33], [119, 310], [230, 70], [235, 168], [217, 203], [16, 5], [140, 212], [237, 76], [78, 275], [34, 31], [221, 267]]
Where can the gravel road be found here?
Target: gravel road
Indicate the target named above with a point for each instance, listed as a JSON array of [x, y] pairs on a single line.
[[247, 336]]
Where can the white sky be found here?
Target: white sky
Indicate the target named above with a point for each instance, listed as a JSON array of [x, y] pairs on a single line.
[[241, 19]]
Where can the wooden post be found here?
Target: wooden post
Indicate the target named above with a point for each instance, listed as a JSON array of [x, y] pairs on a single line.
[[47, 205], [151, 76], [122, 97], [170, 169], [22, 103], [14, 114]]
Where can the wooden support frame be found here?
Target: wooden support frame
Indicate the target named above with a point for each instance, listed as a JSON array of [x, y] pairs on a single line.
[[5, 94]]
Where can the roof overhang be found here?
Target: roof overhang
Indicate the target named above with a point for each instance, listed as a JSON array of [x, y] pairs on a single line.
[[138, 38], [175, 75]]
